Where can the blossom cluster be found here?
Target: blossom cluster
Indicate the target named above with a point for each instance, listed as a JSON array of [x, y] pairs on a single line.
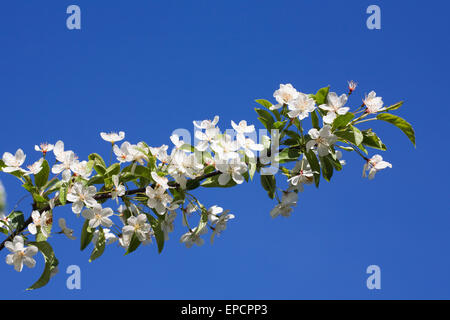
[[149, 186]]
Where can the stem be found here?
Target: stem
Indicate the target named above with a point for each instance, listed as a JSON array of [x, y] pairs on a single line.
[[361, 121], [98, 196]]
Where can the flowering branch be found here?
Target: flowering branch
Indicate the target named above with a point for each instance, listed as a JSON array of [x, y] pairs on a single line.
[[163, 182]]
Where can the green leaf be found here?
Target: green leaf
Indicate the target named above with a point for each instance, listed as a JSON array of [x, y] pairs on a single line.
[[139, 171], [342, 120], [315, 166], [268, 182], [113, 170], [16, 220], [97, 179], [352, 134], [279, 124], [400, 123], [86, 235], [264, 103], [97, 158], [288, 154], [159, 234], [315, 120], [321, 96], [203, 221], [99, 246], [213, 182], [327, 168], [395, 106], [50, 263], [267, 119], [371, 140], [134, 244], [187, 147], [38, 198], [41, 177]]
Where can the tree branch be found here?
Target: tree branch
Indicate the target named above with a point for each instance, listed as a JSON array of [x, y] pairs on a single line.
[[101, 196]]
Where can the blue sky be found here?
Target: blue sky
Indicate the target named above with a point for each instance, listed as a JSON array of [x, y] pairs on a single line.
[[148, 67]]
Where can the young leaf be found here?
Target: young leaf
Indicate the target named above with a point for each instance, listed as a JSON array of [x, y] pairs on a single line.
[[134, 244], [159, 234], [371, 140], [264, 103], [86, 235], [351, 134], [268, 182], [50, 263], [16, 220], [267, 117], [327, 168], [213, 182], [289, 154], [400, 123], [315, 120], [113, 170], [97, 158], [321, 96], [342, 120], [315, 166], [99, 246], [395, 106], [41, 177]]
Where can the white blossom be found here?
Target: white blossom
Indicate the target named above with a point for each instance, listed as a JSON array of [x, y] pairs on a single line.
[[176, 141], [322, 139], [81, 196], [14, 162], [161, 153], [98, 216], [109, 236], [219, 222], [160, 181], [139, 226], [231, 170], [284, 95], [301, 174], [119, 189], [123, 153], [242, 127], [334, 106], [206, 138], [158, 199], [43, 221], [301, 106], [44, 148], [35, 168], [373, 103], [65, 230], [67, 159], [81, 169], [206, 124], [288, 200], [375, 164], [193, 237], [225, 147], [352, 86], [167, 224], [113, 137], [248, 145], [19, 254]]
